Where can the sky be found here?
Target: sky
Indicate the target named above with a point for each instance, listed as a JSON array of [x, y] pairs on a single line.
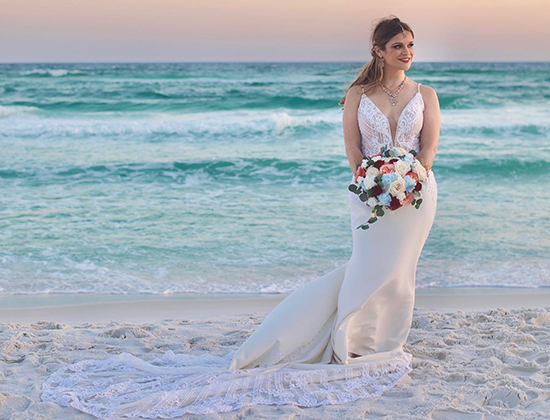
[[267, 30]]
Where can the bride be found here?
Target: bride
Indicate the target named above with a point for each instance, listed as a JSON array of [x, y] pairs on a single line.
[[338, 338]]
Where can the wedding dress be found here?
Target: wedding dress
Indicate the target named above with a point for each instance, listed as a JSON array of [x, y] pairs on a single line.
[[336, 339]]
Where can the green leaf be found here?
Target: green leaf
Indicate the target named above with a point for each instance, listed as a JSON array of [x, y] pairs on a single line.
[[372, 219], [370, 162], [419, 201], [352, 187], [363, 197], [413, 152], [379, 212]]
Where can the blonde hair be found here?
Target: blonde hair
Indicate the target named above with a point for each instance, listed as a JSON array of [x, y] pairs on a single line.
[[371, 73]]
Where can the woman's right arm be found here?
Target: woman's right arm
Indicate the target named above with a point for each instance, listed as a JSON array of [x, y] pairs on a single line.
[[352, 136]]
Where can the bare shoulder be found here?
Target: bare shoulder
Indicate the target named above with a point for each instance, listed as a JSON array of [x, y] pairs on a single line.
[[354, 93], [353, 97], [428, 93]]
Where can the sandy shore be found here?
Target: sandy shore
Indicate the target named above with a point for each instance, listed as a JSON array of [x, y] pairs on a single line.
[[478, 353]]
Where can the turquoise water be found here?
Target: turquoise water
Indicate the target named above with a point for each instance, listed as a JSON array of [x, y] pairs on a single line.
[[217, 177]]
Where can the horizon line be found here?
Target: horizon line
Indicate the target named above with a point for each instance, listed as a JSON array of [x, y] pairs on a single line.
[[247, 62]]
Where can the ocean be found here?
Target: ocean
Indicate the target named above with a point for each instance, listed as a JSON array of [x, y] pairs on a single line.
[[232, 177]]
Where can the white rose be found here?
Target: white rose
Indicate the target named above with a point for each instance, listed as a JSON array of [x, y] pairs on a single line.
[[402, 167], [364, 164], [420, 171], [371, 201], [368, 182], [397, 187], [359, 179], [376, 158], [400, 151], [372, 171]]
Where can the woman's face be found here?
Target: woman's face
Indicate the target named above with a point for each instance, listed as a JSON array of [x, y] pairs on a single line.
[[398, 49]]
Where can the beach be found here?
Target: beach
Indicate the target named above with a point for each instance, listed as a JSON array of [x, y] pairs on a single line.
[[169, 207], [478, 353]]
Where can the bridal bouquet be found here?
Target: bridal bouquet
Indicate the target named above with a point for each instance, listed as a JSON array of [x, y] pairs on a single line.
[[390, 179]]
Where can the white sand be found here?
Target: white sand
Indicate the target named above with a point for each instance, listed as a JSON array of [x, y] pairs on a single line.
[[477, 353]]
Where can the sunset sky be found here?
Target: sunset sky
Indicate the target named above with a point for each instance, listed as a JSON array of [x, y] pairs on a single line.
[[266, 30]]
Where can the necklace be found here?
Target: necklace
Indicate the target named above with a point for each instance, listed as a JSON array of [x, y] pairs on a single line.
[[393, 95]]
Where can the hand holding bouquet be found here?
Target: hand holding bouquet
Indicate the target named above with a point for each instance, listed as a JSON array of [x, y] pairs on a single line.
[[389, 180]]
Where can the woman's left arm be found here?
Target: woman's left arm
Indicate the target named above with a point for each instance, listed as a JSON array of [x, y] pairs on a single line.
[[429, 135]]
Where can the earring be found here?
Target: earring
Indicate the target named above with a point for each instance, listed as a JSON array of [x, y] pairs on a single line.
[[381, 62]]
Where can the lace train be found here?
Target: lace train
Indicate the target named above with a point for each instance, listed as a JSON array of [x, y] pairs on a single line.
[[179, 384]]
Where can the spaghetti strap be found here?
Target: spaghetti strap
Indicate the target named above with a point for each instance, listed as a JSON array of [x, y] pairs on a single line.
[[363, 88], [419, 87]]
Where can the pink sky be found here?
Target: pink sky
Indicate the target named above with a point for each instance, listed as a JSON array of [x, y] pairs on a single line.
[[266, 30]]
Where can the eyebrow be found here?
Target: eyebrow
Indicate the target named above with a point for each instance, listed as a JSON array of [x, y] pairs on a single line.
[[400, 43]]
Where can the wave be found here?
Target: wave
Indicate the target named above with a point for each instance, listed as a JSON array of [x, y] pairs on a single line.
[[153, 127], [154, 101], [504, 167], [229, 290], [505, 130], [6, 111], [259, 170], [251, 169], [50, 72]]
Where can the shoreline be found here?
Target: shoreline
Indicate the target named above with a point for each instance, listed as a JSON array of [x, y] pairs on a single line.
[[73, 309]]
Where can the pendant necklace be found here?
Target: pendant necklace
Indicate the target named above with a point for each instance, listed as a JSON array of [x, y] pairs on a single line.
[[393, 95]]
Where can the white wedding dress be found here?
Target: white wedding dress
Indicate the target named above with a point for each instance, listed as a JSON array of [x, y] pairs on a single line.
[[336, 339]]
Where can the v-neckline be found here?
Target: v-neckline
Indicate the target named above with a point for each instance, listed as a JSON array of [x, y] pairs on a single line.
[[388, 120]]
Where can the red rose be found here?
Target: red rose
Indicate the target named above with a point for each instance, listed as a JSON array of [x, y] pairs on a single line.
[[393, 160], [361, 171], [376, 190], [394, 203], [418, 186], [378, 163]]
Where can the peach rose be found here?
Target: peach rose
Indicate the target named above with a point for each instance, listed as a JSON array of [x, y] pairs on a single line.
[[387, 168], [407, 200], [412, 175]]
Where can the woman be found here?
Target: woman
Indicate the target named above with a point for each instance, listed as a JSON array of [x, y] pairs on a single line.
[[336, 339]]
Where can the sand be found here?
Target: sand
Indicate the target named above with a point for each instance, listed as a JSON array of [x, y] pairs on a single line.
[[478, 353]]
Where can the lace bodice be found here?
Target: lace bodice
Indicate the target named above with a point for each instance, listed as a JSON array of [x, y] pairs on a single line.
[[376, 132], [375, 127]]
